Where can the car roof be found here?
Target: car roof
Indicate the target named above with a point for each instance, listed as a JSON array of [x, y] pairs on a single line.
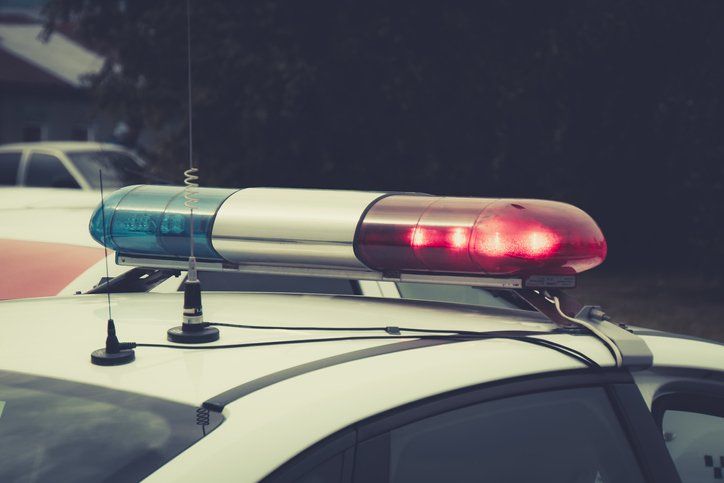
[[64, 146], [61, 348], [47, 214], [54, 337]]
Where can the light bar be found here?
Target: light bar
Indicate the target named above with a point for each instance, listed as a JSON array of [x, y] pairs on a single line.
[[373, 235], [479, 235], [153, 221]]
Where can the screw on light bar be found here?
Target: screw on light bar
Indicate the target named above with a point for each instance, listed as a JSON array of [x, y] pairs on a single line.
[[477, 235], [349, 234]]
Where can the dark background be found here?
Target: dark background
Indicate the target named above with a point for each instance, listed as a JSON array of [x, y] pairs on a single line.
[[614, 106]]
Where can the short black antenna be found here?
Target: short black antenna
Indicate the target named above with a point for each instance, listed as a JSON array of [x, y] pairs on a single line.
[[193, 329], [114, 353]]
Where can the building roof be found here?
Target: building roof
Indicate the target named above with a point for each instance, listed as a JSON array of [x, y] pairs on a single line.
[[59, 58], [63, 146]]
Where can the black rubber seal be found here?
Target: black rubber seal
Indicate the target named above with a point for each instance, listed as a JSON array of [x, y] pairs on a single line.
[[217, 403]]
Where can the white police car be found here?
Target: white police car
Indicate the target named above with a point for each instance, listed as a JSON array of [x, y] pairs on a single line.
[[70, 164], [303, 387]]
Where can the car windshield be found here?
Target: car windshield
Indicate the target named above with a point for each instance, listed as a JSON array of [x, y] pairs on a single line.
[[119, 169], [55, 430], [461, 294], [433, 292]]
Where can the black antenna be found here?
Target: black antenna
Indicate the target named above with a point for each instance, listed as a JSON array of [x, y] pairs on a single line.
[[114, 353], [193, 329]]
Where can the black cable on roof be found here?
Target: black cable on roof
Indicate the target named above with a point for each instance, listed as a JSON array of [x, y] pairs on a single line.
[[391, 329], [519, 335], [396, 331]]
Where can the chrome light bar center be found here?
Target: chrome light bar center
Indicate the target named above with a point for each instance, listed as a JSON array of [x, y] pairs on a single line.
[[476, 281]]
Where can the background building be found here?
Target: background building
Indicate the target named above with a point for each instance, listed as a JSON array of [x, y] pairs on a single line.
[[43, 95]]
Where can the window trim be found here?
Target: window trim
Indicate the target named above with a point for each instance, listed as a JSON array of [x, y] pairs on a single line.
[[220, 401], [341, 442], [372, 434], [432, 406], [695, 397]]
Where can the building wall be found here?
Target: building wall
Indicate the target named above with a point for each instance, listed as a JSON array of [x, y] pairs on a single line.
[[60, 116]]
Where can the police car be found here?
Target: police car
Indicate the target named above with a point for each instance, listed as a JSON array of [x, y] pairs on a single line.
[[312, 387]]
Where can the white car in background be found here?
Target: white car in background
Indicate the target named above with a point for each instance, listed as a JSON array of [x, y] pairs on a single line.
[[70, 164]]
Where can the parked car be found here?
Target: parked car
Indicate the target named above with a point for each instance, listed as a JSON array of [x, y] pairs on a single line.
[[349, 388], [66, 164]]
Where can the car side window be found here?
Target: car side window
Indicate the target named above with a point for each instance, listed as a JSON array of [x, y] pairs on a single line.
[[693, 429], [329, 471], [330, 462], [45, 170], [570, 435], [9, 163]]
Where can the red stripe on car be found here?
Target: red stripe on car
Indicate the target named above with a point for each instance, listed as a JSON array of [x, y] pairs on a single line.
[[39, 269]]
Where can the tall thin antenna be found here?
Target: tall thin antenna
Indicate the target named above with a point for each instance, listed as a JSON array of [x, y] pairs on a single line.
[[193, 329], [114, 353], [189, 83], [189, 87], [105, 248]]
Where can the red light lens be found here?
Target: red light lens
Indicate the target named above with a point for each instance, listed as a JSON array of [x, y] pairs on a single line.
[[442, 235], [388, 234], [477, 235]]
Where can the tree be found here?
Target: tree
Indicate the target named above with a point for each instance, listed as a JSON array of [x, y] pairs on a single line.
[[612, 105]]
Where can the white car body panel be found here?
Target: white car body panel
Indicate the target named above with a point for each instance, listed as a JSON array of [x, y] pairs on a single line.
[[55, 215], [54, 336], [62, 331]]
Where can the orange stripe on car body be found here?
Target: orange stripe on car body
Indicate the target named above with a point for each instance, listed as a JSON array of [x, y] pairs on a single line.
[[40, 269]]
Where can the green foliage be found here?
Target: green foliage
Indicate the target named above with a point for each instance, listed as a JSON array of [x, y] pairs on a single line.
[[612, 105]]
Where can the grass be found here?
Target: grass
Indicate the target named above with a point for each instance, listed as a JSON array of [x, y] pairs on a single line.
[[675, 302]]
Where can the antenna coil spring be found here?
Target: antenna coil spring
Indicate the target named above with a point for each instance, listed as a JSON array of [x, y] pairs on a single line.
[[202, 416], [191, 191]]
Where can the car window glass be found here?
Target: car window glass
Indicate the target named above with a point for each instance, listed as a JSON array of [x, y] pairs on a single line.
[[57, 430], [119, 169], [695, 441], [244, 282], [9, 163], [329, 471], [567, 436], [48, 171], [460, 294]]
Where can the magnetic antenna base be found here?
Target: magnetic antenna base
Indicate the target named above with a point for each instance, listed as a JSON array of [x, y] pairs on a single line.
[[192, 334], [101, 357]]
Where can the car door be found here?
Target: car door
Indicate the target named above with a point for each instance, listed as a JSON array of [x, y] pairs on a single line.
[[571, 427]]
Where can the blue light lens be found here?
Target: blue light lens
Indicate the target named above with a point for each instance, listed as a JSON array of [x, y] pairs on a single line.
[[153, 221]]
